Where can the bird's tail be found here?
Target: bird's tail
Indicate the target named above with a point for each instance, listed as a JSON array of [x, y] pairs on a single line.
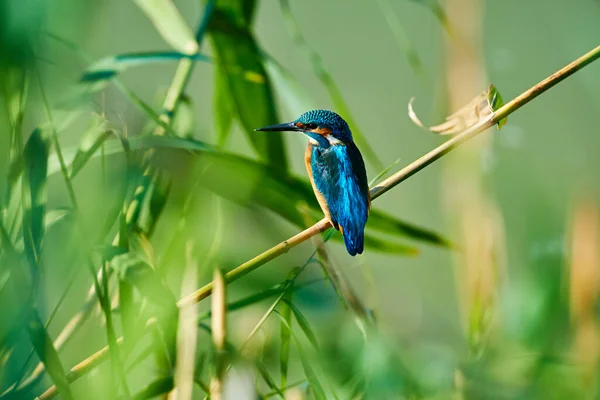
[[354, 241]]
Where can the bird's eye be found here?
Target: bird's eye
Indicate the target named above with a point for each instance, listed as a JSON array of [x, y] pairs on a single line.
[[311, 126]]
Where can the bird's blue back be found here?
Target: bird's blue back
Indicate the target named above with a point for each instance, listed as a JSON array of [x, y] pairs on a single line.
[[339, 176]]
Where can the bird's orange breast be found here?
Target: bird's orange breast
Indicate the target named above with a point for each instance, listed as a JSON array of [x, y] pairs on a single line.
[[318, 194]]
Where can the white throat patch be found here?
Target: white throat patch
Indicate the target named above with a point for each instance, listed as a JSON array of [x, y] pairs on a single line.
[[332, 140]]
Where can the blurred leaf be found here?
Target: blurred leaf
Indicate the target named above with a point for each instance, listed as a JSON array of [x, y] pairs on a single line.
[[267, 378], [72, 103], [401, 36], [304, 324], [90, 142], [133, 269], [150, 198], [384, 246], [170, 24], [252, 299], [12, 212], [383, 222], [285, 333], [107, 252], [311, 376], [136, 143], [255, 183], [248, 87], [108, 67], [97, 76], [295, 97], [327, 80], [184, 121], [15, 293], [223, 109], [34, 193], [42, 343], [159, 386], [56, 215], [252, 182], [260, 367], [435, 7], [382, 173]]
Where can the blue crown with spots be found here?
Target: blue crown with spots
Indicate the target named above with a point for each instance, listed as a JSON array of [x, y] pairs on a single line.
[[330, 120]]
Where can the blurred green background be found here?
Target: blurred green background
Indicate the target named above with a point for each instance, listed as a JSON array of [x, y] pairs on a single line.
[[510, 313]]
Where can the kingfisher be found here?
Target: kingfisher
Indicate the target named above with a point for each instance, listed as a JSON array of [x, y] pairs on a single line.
[[337, 173]]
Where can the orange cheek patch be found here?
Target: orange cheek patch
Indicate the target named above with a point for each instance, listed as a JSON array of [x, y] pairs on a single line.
[[300, 125], [323, 131]]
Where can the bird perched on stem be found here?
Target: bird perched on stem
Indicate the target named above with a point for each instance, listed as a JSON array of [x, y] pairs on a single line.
[[337, 172]]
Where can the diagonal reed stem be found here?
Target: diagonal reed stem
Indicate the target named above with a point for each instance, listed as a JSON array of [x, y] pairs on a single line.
[[321, 226]]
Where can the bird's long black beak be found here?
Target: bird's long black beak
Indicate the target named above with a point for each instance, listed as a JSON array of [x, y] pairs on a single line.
[[288, 126]]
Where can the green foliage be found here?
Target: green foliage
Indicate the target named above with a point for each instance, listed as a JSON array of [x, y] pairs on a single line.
[[34, 188], [96, 174], [40, 339]]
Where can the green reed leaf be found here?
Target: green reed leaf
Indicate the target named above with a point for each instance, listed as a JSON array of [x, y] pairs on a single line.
[[248, 86], [34, 189], [42, 343]]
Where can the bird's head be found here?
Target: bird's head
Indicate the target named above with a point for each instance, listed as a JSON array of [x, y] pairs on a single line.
[[324, 127]]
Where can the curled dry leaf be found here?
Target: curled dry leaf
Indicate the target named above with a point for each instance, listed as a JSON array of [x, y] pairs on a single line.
[[480, 109]]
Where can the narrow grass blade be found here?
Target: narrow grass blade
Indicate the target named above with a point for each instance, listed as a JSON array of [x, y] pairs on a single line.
[[158, 387], [184, 122], [250, 300], [436, 8], [90, 143], [311, 376], [34, 193], [285, 334], [381, 174], [267, 378], [304, 324], [132, 268], [288, 283], [56, 215], [101, 72], [384, 246], [170, 24], [224, 113], [386, 223], [401, 36], [47, 353], [187, 330], [218, 327]]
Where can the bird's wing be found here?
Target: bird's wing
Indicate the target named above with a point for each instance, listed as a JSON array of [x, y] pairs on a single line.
[[308, 157], [340, 178]]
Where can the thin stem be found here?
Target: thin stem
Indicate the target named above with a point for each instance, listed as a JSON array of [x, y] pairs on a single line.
[[56, 143]]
